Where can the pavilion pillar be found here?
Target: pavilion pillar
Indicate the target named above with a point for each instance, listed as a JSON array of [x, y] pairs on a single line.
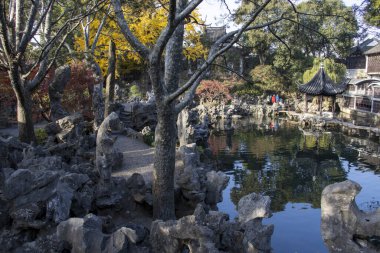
[[305, 102], [333, 106], [320, 104]]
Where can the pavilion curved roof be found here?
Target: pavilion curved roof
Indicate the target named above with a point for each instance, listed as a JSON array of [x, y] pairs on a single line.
[[321, 84]]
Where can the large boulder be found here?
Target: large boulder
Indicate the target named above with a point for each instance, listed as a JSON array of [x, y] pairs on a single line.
[[216, 182], [253, 206], [40, 196], [344, 227]]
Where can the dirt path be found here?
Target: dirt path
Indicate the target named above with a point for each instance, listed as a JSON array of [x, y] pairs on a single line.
[[138, 158]]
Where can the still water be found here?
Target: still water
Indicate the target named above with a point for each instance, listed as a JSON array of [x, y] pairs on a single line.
[[293, 167]]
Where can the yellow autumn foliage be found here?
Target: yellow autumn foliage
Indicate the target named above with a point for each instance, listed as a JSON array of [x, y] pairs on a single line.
[[147, 26]]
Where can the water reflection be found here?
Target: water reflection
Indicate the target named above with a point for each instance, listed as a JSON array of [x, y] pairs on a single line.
[[293, 166], [287, 164]]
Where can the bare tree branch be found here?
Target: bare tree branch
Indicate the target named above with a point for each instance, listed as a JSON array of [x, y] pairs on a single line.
[[215, 51], [99, 30], [131, 38]]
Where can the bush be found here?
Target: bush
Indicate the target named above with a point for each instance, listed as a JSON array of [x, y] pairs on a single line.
[[213, 91], [41, 135], [134, 91]]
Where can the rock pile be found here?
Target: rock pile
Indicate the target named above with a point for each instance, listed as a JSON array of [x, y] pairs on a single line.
[[211, 231]]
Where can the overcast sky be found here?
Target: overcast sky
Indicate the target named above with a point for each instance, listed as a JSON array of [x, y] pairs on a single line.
[[212, 10]]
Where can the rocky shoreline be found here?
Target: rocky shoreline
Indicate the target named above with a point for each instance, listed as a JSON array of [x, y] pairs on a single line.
[[59, 196]]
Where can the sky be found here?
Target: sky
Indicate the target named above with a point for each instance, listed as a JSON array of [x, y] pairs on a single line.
[[211, 10]]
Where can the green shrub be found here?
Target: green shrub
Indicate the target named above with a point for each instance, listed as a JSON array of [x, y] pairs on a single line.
[[149, 139], [134, 91], [41, 135]]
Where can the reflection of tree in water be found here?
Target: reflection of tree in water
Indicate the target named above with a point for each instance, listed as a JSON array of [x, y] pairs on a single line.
[[286, 165]]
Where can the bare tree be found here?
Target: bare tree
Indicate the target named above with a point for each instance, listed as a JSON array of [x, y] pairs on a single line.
[[27, 28]]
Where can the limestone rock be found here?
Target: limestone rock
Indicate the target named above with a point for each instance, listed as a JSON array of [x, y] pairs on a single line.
[[105, 152], [344, 227], [84, 235], [71, 127], [253, 206], [98, 105], [210, 232], [136, 187], [56, 88], [215, 184], [257, 237]]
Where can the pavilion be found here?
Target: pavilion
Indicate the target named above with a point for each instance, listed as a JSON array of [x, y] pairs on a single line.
[[322, 85]]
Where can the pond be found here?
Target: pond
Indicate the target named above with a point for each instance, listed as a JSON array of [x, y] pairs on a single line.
[[293, 167]]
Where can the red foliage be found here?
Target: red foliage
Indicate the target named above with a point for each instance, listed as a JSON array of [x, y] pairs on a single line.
[[213, 91], [76, 97], [77, 93]]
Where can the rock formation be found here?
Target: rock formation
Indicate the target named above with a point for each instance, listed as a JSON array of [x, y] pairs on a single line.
[[98, 105], [105, 153], [205, 232], [344, 227], [56, 88]]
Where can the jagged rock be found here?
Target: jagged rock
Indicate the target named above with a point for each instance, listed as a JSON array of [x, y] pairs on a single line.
[[105, 152], [56, 88], [137, 115], [70, 127], [59, 206], [136, 187], [215, 184], [136, 233], [190, 155], [48, 244], [22, 181], [45, 194], [190, 182], [98, 105], [210, 232], [52, 163], [257, 237], [11, 152], [86, 236], [344, 227], [111, 195], [52, 128], [171, 236], [196, 183], [193, 128], [120, 240], [253, 206]]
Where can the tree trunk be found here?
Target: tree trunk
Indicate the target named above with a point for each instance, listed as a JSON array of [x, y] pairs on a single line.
[[24, 118], [164, 164], [24, 106]]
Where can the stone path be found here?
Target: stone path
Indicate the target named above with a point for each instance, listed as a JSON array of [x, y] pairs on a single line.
[[138, 158]]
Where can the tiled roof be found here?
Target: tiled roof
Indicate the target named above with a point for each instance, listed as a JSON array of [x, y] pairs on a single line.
[[374, 50], [321, 84]]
